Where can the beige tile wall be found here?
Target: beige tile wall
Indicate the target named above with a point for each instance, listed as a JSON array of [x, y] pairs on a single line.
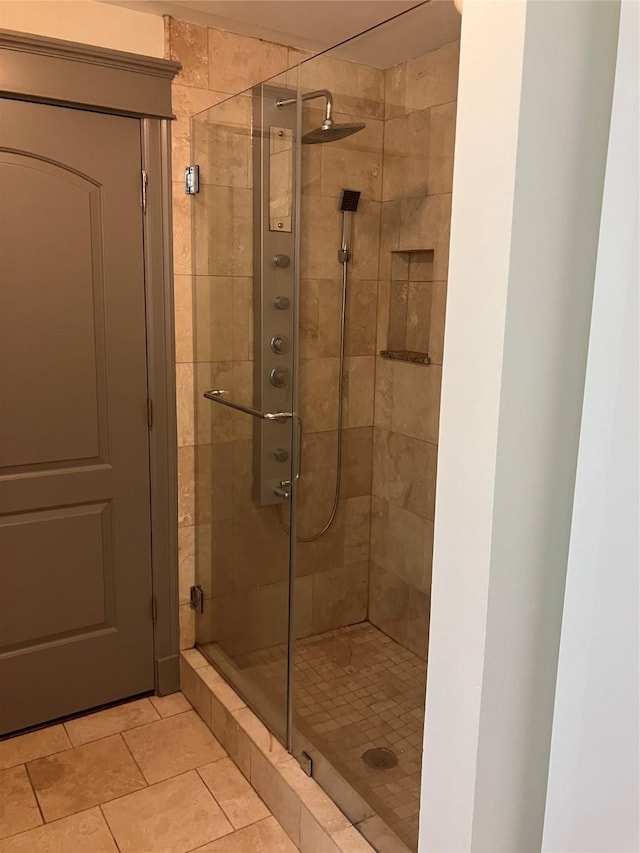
[[376, 558], [419, 130], [219, 524], [333, 572], [215, 65]]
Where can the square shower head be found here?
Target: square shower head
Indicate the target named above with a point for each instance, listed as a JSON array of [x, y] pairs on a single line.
[[350, 199]]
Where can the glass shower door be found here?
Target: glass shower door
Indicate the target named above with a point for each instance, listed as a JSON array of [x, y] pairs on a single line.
[[245, 431]]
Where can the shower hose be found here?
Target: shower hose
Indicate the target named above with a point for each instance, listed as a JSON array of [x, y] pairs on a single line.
[[344, 256]]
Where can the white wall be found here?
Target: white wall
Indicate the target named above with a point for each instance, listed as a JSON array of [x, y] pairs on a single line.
[[86, 22], [483, 187], [593, 799], [534, 108]]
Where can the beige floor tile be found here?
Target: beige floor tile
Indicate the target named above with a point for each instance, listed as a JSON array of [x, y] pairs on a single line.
[[110, 721], [86, 832], [235, 795], [173, 816], [18, 807], [168, 706], [173, 745], [356, 689], [267, 836], [19, 750], [86, 776]]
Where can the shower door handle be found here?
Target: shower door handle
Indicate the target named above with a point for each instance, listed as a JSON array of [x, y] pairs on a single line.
[[216, 396]]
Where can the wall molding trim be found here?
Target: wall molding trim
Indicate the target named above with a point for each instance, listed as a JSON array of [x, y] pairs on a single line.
[[46, 69]]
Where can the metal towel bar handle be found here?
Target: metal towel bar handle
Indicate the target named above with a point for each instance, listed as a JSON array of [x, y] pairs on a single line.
[[216, 396]]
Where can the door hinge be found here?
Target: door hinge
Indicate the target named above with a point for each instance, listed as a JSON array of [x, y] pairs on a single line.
[[196, 598], [145, 181], [192, 180], [306, 762], [154, 609], [149, 412]]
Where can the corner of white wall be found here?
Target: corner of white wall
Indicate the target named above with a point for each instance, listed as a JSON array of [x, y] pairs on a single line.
[[491, 54], [86, 22], [593, 798], [526, 206]]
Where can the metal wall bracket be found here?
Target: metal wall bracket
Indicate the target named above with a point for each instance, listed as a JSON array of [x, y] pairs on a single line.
[[196, 598], [192, 180], [306, 762]]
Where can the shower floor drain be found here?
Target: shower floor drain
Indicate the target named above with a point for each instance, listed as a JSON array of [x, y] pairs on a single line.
[[380, 758]]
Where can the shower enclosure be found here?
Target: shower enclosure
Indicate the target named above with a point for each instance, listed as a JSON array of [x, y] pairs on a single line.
[[320, 264]]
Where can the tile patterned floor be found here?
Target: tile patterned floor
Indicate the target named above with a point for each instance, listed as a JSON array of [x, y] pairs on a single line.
[[355, 689], [143, 777]]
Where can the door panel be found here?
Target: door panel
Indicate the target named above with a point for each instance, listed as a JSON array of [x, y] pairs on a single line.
[[69, 382], [75, 553]]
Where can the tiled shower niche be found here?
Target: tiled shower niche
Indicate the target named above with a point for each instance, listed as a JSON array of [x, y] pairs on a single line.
[[410, 298]]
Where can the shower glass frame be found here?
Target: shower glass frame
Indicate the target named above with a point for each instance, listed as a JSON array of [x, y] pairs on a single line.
[[230, 655], [408, 271], [279, 716]]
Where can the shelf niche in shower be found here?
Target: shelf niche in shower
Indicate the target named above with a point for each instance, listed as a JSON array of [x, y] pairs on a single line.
[[410, 293]]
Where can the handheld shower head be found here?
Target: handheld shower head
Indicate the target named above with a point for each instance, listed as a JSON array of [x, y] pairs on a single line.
[[350, 200]]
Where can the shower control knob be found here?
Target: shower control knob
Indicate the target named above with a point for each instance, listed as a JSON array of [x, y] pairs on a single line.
[[282, 261], [279, 344], [282, 302], [280, 454], [279, 377]]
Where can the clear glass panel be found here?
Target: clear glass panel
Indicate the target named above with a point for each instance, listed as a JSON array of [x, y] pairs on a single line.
[[243, 218], [343, 295], [362, 590]]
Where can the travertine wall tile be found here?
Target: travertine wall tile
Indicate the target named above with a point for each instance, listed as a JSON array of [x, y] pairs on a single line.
[[362, 318], [360, 391], [188, 45], [437, 321], [186, 505], [357, 530], [420, 108], [184, 402], [432, 79], [318, 382], [416, 400], [186, 562], [394, 91], [238, 62], [405, 472], [441, 148], [357, 460], [366, 240], [183, 308], [358, 89], [357, 167], [340, 597], [223, 339], [399, 610], [181, 231]]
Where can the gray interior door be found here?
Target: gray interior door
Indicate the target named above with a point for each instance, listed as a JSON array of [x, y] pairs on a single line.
[[76, 628]]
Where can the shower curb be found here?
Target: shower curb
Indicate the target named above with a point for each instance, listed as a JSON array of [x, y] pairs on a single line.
[[309, 817]]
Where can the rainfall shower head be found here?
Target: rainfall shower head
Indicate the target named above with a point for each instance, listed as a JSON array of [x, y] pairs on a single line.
[[329, 131], [350, 200]]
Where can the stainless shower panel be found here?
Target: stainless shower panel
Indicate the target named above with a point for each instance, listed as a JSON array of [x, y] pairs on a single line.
[[274, 283]]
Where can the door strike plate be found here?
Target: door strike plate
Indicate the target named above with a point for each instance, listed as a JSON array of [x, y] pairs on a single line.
[[192, 180], [196, 598]]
